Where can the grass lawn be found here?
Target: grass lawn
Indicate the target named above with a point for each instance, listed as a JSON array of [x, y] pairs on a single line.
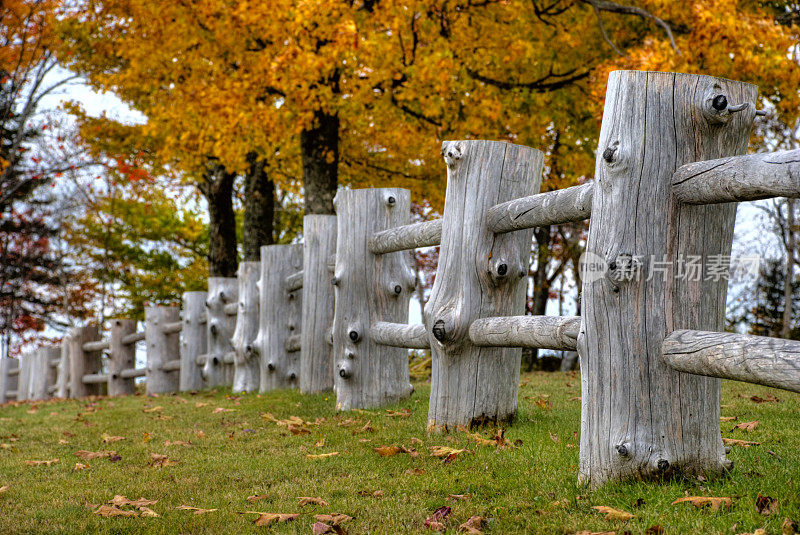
[[237, 451]]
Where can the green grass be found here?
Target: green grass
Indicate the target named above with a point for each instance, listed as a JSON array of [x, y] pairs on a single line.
[[530, 488]]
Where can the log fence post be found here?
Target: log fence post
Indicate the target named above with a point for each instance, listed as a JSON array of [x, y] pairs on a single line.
[[9, 375], [221, 292], [163, 348], [84, 362], [121, 356], [193, 340], [62, 377], [247, 365]]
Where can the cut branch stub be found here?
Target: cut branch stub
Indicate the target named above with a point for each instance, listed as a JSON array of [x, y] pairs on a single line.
[[371, 288], [221, 292], [246, 365], [478, 276], [656, 122], [279, 316]]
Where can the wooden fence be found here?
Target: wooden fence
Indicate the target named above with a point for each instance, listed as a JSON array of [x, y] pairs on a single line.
[[333, 312]]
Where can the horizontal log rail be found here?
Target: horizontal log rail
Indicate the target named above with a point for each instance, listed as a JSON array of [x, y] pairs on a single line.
[[98, 345], [292, 343], [424, 234], [171, 365], [172, 328], [413, 336], [294, 281], [543, 332], [550, 208], [739, 178], [759, 360], [13, 372], [131, 373], [94, 378], [133, 338]]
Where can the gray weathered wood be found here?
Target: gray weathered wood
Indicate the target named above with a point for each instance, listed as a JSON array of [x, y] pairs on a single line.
[[44, 375], [413, 336], [83, 362], [479, 275], [639, 417], [194, 340], [279, 315], [316, 356], [219, 328], [231, 309], [543, 332], [97, 345], [172, 328], [95, 379], [246, 364], [369, 288], [543, 209], [24, 377], [423, 234], [294, 281], [133, 338], [173, 365], [8, 380], [739, 178], [121, 357], [161, 348], [753, 359], [132, 373], [62, 380], [293, 343]]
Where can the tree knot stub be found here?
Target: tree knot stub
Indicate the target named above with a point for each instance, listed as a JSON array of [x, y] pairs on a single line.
[[271, 367], [390, 200], [354, 335], [397, 289], [502, 270], [451, 152], [622, 449], [720, 103], [438, 331], [608, 154], [662, 465]]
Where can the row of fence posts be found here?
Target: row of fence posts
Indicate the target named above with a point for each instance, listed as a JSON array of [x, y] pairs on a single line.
[[333, 312]]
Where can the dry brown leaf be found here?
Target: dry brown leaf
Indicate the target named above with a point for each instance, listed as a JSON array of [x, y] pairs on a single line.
[[769, 398], [307, 500], [265, 519], [160, 461], [445, 453], [766, 505], [415, 471], [112, 510], [298, 429], [322, 455], [415, 440], [89, 455], [121, 501], [334, 519], [107, 439], [789, 527], [728, 418], [655, 529], [473, 526], [41, 463], [702, 501], [402, 413], [255, 497], [586, 532], [221, 409], [321, 528], [737, 442], [197, 510], [458, 496], [388, 451], [154, 409], [746, 426], [177, 443], [199, 404], [4, 488], [60, 441], [147, 512], [80, 466], [613, 514], [320, 443]]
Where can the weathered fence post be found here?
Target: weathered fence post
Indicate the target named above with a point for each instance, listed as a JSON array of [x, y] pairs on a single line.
[[82, 362], [480, 275], [369, 288], [24, 377], [62, 378], [9, 374], [163, 349], [193, 339], [247, 366], [279, 316], [44, 371], [316, 355], [639, 417], [121, 356], [221, 291]]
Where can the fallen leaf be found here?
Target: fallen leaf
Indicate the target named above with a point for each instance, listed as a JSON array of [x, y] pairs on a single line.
[[221, 409], [769, 398], [146, 437], [655, 530], [737, 442], [160, 461], [147, 512], [402, 413], [320, 528], [766, 505], [4, 488], [153, 409], [107, 439], [473, 526], [265, 519], [728, 418], [746, 426], [322, 455], [41, 463], [388, 451], [702, 501], [613, 514], [255, 497], [306, 500], [298, 429], [458, 496], [366, 429], [435, 521], [80, 466], [320, 443], [443, 452], [199, 404], [177, 443], [435, 526], [89, 455], [334, 519], [789, 527], [112, 510], [415, 471], [60, 441], [197, 510], [415, 440], [121, 501], [586, 532]]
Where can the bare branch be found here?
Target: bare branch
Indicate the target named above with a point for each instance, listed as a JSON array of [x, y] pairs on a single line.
[[613, 7]]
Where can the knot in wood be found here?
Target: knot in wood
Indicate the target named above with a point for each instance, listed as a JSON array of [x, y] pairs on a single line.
[[398, 289], [720, 103], [608, 154], [438, 330], [662, 465], [354, 335], [452, 152], [271, 367], [622, 449]]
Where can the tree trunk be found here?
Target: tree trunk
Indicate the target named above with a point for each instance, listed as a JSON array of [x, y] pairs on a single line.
[[218, 191], [786, 328], [319, 147], [640, 418], [259, 210]]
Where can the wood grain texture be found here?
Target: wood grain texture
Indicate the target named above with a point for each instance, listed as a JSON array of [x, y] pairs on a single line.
[[62, 379], [413, 336], [424, 234], [279, 316], [640, 418], [121, 357], [43, 374], [8, 380], [194, 340], [82, 362], [739, 178], [24, 378], [543, 209], [543, 332], [294, 281], [480, 275], [161, 348], [369, 288], [219, 330], [316, 355], [246, 365], [759, 360]]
